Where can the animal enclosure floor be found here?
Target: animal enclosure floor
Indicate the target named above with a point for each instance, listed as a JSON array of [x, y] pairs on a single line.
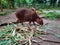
[[54, 28]]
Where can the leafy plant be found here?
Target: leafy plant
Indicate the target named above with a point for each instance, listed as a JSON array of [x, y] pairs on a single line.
[[53, 15], [2, 13], [57, 14]]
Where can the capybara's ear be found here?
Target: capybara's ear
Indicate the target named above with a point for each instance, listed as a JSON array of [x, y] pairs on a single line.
[[33, 9]]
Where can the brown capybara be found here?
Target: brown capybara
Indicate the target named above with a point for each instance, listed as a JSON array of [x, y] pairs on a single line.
[[29, 15]]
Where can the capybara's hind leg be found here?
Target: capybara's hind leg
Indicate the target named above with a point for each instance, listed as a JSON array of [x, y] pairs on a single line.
[[29, 22], [20, 21]]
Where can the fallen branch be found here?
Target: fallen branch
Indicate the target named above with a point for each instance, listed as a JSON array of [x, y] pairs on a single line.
[[4, 24]]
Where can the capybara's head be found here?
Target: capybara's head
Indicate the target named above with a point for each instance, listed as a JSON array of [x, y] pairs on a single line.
[[39, 21]]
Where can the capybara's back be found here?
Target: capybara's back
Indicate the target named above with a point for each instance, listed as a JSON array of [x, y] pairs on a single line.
[[29, 15]]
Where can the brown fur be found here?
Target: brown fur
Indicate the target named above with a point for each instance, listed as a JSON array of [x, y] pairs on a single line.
[[29, 15]]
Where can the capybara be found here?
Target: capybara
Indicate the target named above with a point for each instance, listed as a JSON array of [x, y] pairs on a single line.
[[30, 15]]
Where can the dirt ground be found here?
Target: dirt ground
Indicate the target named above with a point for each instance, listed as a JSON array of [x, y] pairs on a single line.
[[55, 28]]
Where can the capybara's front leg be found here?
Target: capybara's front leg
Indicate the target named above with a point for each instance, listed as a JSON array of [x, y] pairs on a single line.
[[34, 22]]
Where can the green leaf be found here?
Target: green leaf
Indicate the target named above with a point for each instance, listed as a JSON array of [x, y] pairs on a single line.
[[29, 1]]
